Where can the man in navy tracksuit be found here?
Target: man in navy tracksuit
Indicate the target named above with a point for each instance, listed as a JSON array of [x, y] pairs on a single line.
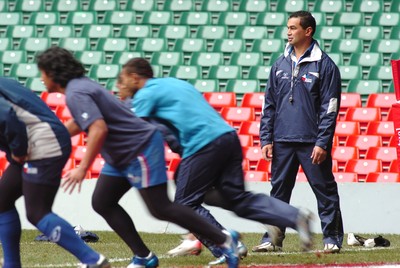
[[302, 101]]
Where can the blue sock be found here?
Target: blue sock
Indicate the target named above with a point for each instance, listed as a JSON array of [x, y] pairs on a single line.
[[10, 236], [62, 233]]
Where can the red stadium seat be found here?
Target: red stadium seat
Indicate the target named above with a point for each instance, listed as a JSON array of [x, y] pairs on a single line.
[[253, 154], [348, 100], [382, 100], [250, 128], [78, 140], [394, 166], [78, 153], [345, 177], [344, 153], [264, 165], [238, 114], [96, 167], [170, 175], [218, 100], [382, 128], [383, 177], [63, 113], [394, 141], [169, 154], [245, 140], [386, 154], [173, 164], [3, 162], [68, 166], [335, 141], [253, 175], [54, 99], [363, 142], [245, 164], [346, 128], [363, 166], [364, 115], [301, 177], [255, 100]]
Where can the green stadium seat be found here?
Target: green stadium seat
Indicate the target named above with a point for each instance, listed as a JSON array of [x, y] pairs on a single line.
[[385, 46], [35, 84], [225, 72], [321, 19], [347, 46], [4, 6], [157, 70], [291, 6], [9, 57], [11, 18], [81, 18], [58, 31], [251, 32], [112, 44], [205, 85], [268, 45], [367, 33], [157, 18], [395, 6], [364, 87], [1, 69], [97, 31], [30, 6], [5, 43], [66, 5], [212, 32], [190, 45], [151, 44], [350, 72], [75, 43], [35, 44], [141, 5], [229, 45], [233, 18], [271, 19], [44, 18], [369, 6], [179, 5], [136, 31], [246, 59], [195, 18], [329, 33], [280, 32], [336, 57], [119, 17], [174, 31], [122, 57], [348, 19], [240, 86], [259, 72], [330, 6], [104, 71], [366, 59], [24, 70], [186, 72], [103, 5], [167, 58], [385, 19], [91, 57], [380, 73], [254, 6], [216, 5], [21, 31], [206, 59]]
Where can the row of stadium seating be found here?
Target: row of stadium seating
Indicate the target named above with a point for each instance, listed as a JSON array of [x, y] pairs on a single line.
[[251, 6]]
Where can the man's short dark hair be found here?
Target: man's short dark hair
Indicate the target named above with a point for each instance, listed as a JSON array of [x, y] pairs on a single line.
[[60, 65], [306, 20], [139, 66]]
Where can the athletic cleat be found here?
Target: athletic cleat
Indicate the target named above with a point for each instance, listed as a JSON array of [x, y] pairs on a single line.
[[219, 261], [230, 248], [304, 229], [101, 263], [266, 247], [355, 240], [150, 261], [331, 248], [187, 247], [242, 252]]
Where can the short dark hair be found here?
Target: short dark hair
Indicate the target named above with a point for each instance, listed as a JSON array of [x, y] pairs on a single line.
[[139, 66], [306, 20], [60, 65]]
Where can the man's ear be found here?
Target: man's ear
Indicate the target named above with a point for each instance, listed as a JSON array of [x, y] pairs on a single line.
[[309, 31]]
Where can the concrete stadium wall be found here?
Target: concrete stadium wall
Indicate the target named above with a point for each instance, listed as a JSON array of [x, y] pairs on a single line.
[[366, 208]]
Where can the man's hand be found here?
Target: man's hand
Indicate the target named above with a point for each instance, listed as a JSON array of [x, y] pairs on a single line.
[[267, 152], [318, 155], [72, 178], [19, 159]]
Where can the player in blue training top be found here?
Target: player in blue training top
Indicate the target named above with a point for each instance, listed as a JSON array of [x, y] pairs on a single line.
[[37, 146], [134, 153], [212, 154]]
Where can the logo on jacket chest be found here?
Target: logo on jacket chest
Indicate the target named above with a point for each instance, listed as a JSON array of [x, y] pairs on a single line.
[[306, 78]]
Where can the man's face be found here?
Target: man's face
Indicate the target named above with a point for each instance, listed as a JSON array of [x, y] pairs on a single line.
[[48, 82], [296, 34], [126, 84]]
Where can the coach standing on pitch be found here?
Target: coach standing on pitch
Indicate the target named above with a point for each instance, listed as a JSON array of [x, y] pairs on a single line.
[[302, 101]]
